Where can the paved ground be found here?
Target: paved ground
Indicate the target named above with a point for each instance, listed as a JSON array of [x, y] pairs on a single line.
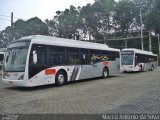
[[126, 93]]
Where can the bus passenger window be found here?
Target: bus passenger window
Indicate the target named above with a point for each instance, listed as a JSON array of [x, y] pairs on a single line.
[[73, 56], [57, 56]]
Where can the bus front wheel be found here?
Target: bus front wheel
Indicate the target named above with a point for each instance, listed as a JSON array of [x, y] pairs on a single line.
[[105, 73], [60, 78]]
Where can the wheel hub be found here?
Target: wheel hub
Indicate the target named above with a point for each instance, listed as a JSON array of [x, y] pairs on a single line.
[[105, 73], [61, 78]]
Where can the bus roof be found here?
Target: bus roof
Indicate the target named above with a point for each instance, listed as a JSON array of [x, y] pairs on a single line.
[[139, 51], [41, 39]]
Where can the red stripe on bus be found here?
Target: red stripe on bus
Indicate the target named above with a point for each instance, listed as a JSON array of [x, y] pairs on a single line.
[[50, 71], [105, 63]]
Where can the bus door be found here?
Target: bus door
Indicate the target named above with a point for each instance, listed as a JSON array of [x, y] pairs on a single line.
[[96, 64], [38, 63], [86, 67], [96, 69]]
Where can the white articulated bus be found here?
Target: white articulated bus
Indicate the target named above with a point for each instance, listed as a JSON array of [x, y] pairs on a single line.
[[40, 60], [137, 60]]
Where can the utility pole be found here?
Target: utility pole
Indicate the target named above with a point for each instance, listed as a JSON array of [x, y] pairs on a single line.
[[11, 26], [159, 45], [150, 42], [125, 42], [141, 29], [11, 19]]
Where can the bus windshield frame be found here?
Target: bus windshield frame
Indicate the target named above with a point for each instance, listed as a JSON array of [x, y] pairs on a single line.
[[16, 57], [127, 57]]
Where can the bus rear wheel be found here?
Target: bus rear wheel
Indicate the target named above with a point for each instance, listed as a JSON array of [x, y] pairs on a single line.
[[60, 78], [152, 68], [105, 73], [141, 69]]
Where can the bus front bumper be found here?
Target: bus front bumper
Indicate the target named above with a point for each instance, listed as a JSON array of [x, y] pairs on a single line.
[[128, 69], [22, 83]]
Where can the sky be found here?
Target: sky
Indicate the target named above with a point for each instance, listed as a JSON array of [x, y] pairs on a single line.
[[25, 9]]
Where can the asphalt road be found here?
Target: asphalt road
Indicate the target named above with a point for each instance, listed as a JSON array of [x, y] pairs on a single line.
[[129, 93]]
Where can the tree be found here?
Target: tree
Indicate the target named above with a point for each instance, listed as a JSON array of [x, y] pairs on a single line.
[[67, 22], [125, 17], [153, 17], [97, 18], [105, 10], [23, 28], [36, 26]]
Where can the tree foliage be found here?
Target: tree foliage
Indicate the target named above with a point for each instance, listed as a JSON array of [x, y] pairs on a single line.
[[23, 28]]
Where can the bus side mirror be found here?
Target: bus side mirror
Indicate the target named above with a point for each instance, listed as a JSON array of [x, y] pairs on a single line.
[[34, 57]]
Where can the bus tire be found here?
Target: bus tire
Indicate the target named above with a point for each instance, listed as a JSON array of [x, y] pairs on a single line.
[[60, 78], [152, 68], [141, 69], [105, 73]]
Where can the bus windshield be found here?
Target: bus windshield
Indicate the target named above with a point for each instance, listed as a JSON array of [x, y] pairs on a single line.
[[127, 58], [15, 57]]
